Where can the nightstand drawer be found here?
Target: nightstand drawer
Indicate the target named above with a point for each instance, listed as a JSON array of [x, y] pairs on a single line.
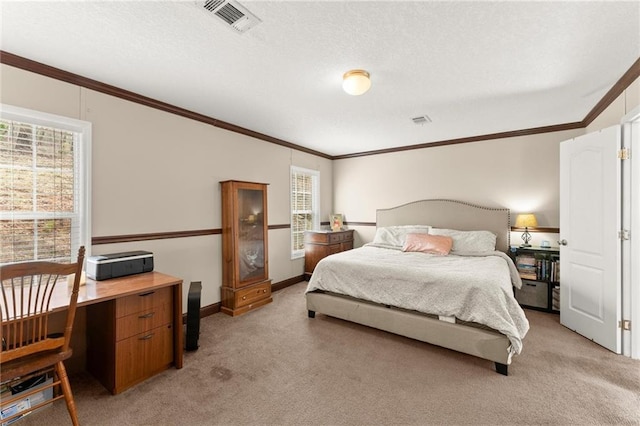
[[247, 296]]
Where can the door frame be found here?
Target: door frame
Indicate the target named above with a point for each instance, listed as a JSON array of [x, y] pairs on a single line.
[[631, 209]]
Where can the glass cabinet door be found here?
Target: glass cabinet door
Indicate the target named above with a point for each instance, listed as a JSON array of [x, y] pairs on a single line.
[[251, 244]]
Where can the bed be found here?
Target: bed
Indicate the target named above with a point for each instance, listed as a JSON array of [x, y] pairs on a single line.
[[394, 290]]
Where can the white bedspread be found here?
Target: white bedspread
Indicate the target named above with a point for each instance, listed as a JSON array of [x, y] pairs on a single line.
[[473, 288]]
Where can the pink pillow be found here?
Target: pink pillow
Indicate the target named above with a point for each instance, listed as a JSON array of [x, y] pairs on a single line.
[[426, 243]]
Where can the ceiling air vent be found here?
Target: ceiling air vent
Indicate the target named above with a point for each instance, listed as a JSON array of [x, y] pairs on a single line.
[[423, 119], [234, 15]]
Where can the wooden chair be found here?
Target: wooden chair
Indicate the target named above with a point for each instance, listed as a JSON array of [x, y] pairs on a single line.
[[29, 348]]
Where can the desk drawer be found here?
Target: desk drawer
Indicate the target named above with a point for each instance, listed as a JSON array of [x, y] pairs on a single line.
[[143, 355], [142, 301], [142, 321]]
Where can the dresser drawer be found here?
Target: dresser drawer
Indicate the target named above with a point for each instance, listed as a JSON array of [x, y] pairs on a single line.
[[338, 237], [333, 249], [142, 321], [326, 237], [347, 245], [252, 294], [142, 301]]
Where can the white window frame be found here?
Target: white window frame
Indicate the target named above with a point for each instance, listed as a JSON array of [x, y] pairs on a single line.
[[315, 213], [82, 153]]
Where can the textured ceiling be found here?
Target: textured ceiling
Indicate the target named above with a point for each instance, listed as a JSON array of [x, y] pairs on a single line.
[[474, 68]]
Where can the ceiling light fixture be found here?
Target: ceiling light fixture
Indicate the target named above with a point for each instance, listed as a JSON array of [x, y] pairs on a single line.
[[356, 82]]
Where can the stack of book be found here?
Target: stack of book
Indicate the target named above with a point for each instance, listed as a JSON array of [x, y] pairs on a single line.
[[532, 267], [527, 267]]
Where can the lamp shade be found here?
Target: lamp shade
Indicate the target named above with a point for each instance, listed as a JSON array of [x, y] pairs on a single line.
[[356, 82], [526, 220]]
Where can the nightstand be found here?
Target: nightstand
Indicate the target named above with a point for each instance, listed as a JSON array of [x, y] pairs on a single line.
[[539, 270], [320, 244]]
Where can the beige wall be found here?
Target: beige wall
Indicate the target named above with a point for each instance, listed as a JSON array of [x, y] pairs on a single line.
[[520, 173], [154, 172]]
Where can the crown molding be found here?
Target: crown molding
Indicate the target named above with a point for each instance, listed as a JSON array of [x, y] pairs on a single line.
[[39, 68]]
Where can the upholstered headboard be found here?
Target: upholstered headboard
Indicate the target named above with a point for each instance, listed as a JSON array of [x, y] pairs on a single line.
[[450, 214]]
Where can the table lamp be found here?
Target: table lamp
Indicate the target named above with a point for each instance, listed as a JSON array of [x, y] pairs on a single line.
[[525, 221]]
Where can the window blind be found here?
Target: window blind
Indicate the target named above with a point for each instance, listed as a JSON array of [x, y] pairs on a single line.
[[304, 206], [42, 192]]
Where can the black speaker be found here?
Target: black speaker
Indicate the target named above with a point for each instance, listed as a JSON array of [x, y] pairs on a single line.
[[193, 315]]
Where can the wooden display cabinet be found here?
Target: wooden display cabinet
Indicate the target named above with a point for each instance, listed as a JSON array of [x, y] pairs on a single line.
[[245, 259]]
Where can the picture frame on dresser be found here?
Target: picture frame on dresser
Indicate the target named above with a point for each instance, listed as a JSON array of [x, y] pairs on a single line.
[[336, 222]]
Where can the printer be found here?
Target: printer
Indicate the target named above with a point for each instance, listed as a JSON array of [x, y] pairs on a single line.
[[115, 265]]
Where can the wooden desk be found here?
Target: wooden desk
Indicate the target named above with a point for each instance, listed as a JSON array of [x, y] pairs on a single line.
[[134, 326]]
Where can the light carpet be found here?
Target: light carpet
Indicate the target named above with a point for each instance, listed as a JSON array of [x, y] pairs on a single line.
[[275, 366]]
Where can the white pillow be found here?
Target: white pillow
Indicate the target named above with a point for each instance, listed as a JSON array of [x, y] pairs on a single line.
[[396, 235], [468, 241]]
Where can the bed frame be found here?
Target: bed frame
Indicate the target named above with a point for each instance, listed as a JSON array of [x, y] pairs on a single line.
[[483, 343]]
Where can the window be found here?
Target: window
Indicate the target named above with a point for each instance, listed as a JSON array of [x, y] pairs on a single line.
[[44, 186], [305, 206]]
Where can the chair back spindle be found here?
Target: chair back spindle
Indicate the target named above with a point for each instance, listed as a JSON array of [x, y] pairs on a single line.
[[29, 347]]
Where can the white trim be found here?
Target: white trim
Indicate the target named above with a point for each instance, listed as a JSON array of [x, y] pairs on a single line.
[[631, 248]]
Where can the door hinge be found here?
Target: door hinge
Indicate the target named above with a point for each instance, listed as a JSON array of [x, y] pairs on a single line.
[[623, 234], [624, 324], [624, 154]]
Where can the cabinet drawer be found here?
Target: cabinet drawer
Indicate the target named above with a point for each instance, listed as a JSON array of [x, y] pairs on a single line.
[[142, 321], [533, 293], [143, 355], [142, 301], [253, 294]]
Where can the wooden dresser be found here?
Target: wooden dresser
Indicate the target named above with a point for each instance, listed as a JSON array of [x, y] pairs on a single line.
[[133, 337], [320, 244]]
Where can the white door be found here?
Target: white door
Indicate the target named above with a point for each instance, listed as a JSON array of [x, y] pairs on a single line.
[[590, 218]]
